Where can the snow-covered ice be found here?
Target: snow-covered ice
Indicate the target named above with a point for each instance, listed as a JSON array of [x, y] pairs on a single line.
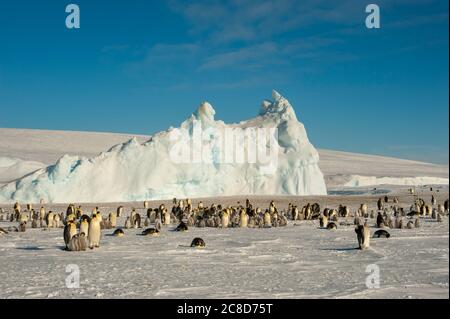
[[135, 171]]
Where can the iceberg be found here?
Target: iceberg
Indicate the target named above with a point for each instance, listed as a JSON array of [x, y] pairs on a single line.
[[204, 157]]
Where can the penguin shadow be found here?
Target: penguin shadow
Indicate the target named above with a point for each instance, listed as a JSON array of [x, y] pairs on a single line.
[[342, 249], [31, 248]]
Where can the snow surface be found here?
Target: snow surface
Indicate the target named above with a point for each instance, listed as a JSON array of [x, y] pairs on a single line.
[[287, 262], [134, 171]]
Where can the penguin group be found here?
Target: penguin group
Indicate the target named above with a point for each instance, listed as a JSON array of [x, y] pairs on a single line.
[[83, 230]]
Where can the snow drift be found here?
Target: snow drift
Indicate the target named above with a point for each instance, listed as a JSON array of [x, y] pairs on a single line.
[[157, 169], [12, 168]]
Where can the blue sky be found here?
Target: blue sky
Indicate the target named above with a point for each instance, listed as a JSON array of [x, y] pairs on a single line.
[[141, 66]]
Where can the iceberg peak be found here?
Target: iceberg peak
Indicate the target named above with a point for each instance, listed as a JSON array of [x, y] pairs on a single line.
[[276, 96], [205, 113]]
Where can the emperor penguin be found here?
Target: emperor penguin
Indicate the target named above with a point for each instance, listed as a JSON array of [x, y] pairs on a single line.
[[439, 218], [182, 227], [77, 243], [150, 232], [118, 232], [331, 225], [158, 224], [294, 213], [433, 200], [267, 219], [84, 226], [17, 207], [56, 221], [410, 225], [380, 221], [94, 232], [198, 243], [42, 213], [113, 219], [356, 221], [364, 209], [70, 229], [381, 233], [416, 223], [127, 223], [225, 219], [22, 226], [323, 221], [146, 222], [49, 219], [23, 217], [363, 235], [440, 209], [243, 220], [434, 213], [166, 217], [145, 204], [73, 244], [119, 211]]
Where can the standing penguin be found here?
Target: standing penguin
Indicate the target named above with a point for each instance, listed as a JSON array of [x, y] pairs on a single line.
[[49, 219], [267, 219], [22, 226], [363, 235], [363, 209], [119, 211], [84, 226], [127, 223], [113, 219], [243, 221], [323, 221], [225, 218], [380, 220], [70, 230], [158, 224], [94, 231], [166, 217]]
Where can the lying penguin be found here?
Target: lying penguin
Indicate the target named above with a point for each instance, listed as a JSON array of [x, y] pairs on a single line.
[[150, 232], [198, 243], [381, 233]]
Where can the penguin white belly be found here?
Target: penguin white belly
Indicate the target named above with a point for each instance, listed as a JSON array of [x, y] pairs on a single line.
[[225, 221], [366, 238], [84, 228], [244, 221], [166, 218], [267, 221], [113, 220], [94, 233]]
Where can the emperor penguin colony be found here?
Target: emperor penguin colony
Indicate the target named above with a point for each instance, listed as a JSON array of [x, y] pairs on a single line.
[[177, 227]]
